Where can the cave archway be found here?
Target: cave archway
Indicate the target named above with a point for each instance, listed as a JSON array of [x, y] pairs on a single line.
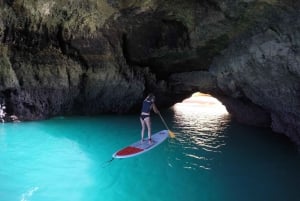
[[201, 119], [201, 103], [201, 113]]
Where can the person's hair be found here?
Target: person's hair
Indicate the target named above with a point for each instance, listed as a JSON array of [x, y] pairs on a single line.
[[151, 96]]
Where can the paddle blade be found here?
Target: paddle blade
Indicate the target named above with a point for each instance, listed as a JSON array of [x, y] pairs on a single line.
[[171, 134]]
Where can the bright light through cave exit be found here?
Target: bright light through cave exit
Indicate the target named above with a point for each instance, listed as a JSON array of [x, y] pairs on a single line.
[[201, 103]]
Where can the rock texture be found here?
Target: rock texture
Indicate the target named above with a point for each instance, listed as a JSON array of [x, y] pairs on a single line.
[[102, 56], [266, 70]]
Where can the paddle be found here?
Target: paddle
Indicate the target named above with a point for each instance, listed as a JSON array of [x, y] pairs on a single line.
[[171, 134]]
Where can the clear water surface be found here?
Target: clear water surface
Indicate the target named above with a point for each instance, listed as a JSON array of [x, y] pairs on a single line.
[[212, 158]]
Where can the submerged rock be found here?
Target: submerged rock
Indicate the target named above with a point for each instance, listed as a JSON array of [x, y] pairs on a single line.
[[93, 57]]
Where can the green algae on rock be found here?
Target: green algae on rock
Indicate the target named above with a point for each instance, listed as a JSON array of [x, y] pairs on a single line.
[[102, 56]]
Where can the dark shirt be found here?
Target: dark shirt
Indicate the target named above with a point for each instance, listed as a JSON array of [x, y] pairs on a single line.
[[147, 106]]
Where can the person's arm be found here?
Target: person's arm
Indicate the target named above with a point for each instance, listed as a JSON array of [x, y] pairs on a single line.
[[155, 109]]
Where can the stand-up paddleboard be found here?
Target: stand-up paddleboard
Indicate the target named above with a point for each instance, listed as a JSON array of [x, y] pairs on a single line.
[[142, 147]]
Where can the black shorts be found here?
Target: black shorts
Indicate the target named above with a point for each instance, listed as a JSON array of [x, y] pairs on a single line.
[[143, 116]]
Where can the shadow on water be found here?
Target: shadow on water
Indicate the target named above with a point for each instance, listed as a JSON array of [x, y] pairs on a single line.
[[259, 163], [212, 158], [244, 163], [45, 158], [97, 134]]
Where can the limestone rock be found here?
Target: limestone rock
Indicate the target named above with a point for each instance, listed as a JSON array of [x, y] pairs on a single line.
[[103, 56], [8, 77], [265, 71]]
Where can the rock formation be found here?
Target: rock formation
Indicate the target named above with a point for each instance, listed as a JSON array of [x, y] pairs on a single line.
[[102, 56]]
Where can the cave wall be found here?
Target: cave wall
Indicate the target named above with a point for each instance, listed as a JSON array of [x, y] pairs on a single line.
[[266, 70], [103, 56]]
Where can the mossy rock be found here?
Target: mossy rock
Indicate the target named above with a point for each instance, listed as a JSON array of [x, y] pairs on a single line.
[[8, 77], [77, 16]]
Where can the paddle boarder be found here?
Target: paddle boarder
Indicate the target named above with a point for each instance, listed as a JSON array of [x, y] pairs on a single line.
[[148, 105]]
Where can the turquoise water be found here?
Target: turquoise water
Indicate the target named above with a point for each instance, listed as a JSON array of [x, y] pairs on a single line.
[[212, 159]]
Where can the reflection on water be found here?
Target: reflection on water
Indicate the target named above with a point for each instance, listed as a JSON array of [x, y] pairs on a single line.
[[200, 120], [211, 159]]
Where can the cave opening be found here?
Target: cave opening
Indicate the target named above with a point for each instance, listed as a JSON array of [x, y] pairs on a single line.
[[202, 119], [201, 103]]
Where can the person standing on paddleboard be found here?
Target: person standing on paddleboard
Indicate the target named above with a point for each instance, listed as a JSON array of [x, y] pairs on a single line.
[[148, 104]]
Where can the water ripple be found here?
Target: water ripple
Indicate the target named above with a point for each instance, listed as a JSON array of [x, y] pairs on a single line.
[[200, 135], [27, 195]]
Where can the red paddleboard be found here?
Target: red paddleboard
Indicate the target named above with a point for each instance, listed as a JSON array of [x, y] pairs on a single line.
[[142, 147]]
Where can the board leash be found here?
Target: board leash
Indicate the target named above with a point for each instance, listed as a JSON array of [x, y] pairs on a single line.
[[107, 163]]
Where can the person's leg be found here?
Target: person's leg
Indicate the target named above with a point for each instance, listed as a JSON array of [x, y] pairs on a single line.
[[143, 129], [148, 123]]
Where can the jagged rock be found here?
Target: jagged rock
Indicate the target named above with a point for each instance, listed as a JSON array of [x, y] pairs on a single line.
[[265, 70], [8, 78], [189, 82], [101, 56]]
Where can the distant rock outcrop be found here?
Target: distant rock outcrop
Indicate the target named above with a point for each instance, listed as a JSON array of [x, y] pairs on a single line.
[[103, 56]]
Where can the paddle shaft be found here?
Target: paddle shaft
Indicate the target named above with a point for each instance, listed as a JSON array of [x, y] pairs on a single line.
[[162, 119]]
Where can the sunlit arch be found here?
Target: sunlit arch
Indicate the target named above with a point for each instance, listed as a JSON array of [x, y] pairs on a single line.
[[202, 118], [200, 102]]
